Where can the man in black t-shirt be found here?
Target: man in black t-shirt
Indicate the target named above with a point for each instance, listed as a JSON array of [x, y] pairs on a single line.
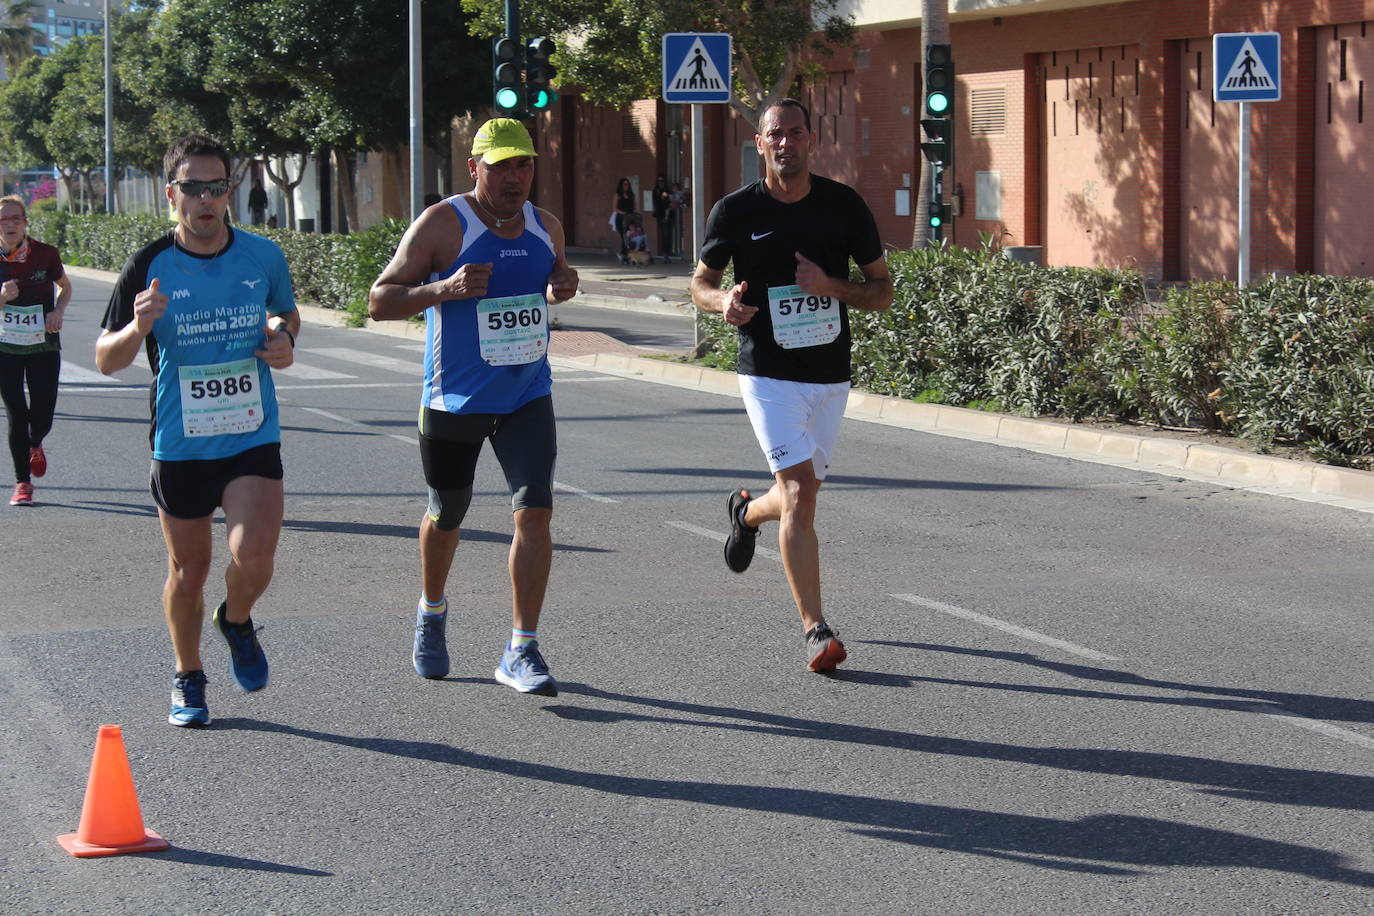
[[791, 236]]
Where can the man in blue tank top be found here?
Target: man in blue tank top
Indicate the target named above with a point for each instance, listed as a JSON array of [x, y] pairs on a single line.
[[213, 308], [483, 266]]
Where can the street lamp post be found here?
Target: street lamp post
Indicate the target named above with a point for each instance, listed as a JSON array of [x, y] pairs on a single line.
[[109, 114]]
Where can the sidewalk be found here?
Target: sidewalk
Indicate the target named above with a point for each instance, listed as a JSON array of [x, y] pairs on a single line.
[[606, 283]]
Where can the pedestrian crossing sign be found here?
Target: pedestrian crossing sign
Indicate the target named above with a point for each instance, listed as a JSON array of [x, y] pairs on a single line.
[[1246, 67], [696, 67]]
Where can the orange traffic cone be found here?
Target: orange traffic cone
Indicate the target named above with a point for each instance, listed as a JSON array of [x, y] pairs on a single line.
[[110, 820]]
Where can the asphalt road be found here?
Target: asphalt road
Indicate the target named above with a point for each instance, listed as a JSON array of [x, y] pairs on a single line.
[[1072, 688]]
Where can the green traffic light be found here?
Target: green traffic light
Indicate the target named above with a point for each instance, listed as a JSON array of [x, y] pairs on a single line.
[[507, 99], [937, 103], [540, 99], [936, 222]]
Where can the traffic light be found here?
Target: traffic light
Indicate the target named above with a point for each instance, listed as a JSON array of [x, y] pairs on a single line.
[[940, 214], [505, 77], [539, 95], [936, 146], [939, 84]]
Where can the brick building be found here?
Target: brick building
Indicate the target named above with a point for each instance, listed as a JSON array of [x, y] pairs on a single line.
[[1085, 127]]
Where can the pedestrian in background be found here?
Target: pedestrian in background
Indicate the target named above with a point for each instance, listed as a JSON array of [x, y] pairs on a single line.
[[33, 303], [622, 205]]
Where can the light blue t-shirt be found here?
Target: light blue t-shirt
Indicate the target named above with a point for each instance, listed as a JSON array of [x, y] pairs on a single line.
[[212, 398]]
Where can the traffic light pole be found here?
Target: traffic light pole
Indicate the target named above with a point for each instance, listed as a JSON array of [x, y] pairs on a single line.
[[513, 21], [417, 123]]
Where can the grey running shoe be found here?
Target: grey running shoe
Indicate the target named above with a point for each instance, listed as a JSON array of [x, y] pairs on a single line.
[[739, 545], [823, 648], [525, 670], [188, 701], [431, 650], [247, 661]]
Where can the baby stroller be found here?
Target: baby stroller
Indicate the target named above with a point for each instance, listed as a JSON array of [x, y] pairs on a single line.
[[636, 240]]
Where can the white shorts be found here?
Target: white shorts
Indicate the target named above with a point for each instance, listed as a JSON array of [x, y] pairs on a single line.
[[795, 421]]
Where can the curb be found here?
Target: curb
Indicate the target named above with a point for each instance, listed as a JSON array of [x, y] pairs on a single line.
[[1343, 487]]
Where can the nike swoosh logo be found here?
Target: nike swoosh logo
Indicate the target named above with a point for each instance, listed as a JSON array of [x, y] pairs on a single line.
[[762, 236]]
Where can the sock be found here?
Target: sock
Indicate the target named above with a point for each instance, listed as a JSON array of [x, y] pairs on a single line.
[[439, 608], [185, 674], [521, 638]]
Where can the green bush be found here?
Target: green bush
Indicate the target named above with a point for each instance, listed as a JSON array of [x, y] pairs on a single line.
[[333, 271], [978, 327], [1182, 349], [1301, 366]]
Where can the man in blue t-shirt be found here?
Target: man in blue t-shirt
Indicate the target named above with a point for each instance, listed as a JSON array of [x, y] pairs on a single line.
[[213, 308], [791, 236], [483, 266]]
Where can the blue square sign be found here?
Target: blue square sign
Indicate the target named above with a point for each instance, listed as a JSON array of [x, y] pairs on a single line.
[[696, 67], [1245, 67]]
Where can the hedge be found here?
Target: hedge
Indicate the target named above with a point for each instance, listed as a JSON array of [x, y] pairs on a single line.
[[333, 271], [1285, 360]]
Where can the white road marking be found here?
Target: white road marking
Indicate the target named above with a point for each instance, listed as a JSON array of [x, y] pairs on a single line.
[[1005, 627], [1315, 725], [720, 537], [371, 360], [585, 494], [333, 416], [349, 385], [302, 370], [409, 440], [564, 380], [71, 372]]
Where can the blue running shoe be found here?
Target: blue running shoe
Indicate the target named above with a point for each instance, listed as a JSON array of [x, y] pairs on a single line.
[[247, 663], [431, 651], [188, 701], [525, 670]]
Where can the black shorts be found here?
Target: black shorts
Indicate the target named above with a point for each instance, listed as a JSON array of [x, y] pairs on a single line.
[[525, 443], [194, 489]]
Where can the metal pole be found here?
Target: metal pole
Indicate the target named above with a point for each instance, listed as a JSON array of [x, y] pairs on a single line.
[[698, 180], [109, 114], [1243, 198], [417, 118], [698, 200]]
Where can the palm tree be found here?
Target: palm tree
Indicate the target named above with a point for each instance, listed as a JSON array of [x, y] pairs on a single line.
[[16, 35]]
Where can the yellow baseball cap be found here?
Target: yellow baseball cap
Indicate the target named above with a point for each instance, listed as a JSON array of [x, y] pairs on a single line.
[[502, 138]]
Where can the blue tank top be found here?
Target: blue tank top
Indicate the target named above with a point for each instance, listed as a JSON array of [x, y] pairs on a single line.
[[458, 377]]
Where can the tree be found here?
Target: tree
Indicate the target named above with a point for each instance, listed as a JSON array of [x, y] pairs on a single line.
[[614, 56], [16, 35], [75, 133], [25, 107]]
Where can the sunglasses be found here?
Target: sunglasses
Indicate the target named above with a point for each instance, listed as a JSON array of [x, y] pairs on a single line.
[[192, 188]]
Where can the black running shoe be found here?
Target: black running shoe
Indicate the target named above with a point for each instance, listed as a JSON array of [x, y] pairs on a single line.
[[739, 546], [823, 648]]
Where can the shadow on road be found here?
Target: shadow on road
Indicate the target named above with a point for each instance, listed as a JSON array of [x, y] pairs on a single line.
[[216, 860], [847, 480], [1101, 844], [1229, 699]]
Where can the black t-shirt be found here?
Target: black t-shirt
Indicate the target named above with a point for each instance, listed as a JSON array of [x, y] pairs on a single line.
[[763, 235]]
